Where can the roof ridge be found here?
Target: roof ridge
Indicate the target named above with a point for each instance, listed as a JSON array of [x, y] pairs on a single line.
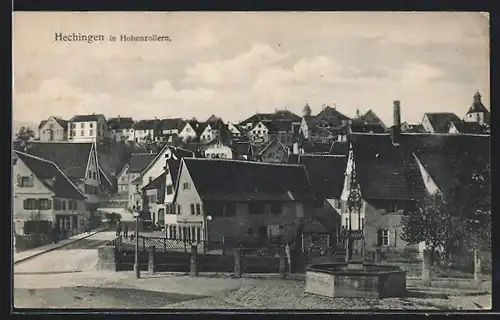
[[245, 161]]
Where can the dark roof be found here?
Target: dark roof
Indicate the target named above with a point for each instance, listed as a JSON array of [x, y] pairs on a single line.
[[241, 147], [339, 148], [477, 105], [279, 126], [370, 118], [316, 147], [450, 159], [146, 124], [311, 121], [71, 158], [357, 126], [468, 127], [283, 115], [104, 179], [415, 128], [157, 182], [326, 174], [181, 153], [86, 118], [441, 121], [385, 171], [333, 116], [389, 172], [139, 161], [170, 124], [235, 180], [273, 142], [120, 123], [173, 168], [62, 123], [51, 176], [293, 158]]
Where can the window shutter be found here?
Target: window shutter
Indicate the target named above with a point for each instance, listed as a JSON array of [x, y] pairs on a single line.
[[379, 237], [25, 203], [49, 204], [37, 204], [395, 233]]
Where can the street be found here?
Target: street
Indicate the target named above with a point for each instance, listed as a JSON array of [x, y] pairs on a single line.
[[76, 257]]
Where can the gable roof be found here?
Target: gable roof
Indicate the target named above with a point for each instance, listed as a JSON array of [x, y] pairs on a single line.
[[333, 116], [316, 147], [441, 121], [326, 174], [370, 117], [71, 158], [120, 123], [61, 122], [173, 168], [139, 161], [170, 124], [278, 115], [468, 127], [146, 124], [51, 176], [86, 118], [157, 182], [357, 126], [274, 141], [340, 148], [279, 126], [235, 180], [385, 171]]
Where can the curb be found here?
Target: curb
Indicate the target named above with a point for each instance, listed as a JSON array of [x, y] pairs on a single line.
[[55, 248]]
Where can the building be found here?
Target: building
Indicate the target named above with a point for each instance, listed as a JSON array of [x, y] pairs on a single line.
[[393, 171], [122, 129], [53, 129], [137, 163], [260, 125], [78, 162], [412, 127], [439, 122], [145, 129], [240, 199], [168, 128], [42, 192], [463, 127], [217, 149], [123, 182], [190, 131], [171, 225], [88, 128], [273, 152], [154, 192], [478, 112]]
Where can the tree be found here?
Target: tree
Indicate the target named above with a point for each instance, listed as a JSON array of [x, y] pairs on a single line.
[[25, 134], [306, 111]]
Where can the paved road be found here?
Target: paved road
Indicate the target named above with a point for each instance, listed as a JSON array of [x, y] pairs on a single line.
[[76, 257]]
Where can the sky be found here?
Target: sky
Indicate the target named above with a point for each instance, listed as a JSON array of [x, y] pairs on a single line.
[[236, 64]]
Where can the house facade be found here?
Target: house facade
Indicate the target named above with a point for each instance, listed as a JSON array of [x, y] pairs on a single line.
[[438, 122], [188, 131], [53, 129], [137, 163], [121, 128], [216, 149], [210, 210], [145, 129], [42, 192], [273, 152], [123, 182], [155, 195], [88, 128]]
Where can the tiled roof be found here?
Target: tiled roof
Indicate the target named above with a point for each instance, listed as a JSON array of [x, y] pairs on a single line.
[[450, 159], [120, 123], [181, 153], [468, 127], [86, 118], [273, 142], [370, 118], [326, 174], [157, 182], [139, 161], [71, 158], [146, 124], [339, 148], [316, 147], [441, 121], [235, 180], [279, 126], [51, 176], [170, 124], [384, 171], [241, 147], [332, 115], [62, 123]]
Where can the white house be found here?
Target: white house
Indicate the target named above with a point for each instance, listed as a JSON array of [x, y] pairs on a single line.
[[88, 128], [42, 192], [438, 122], [137, 163], [122, 129], [478, 112], [188, 131], [259, 132], [53, 129], [234, 130], [216, 149], [145, 129], [123, 181]]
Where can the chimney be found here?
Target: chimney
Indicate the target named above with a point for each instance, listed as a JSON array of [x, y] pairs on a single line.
[[396, 126]]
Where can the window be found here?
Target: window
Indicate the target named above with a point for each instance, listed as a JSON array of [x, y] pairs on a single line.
[[192, 209], [73, 133], [178, 209], [185, 186], [30, 204], [63, 205], [193, 233], [383, 237], [57, 204], [51, 126], [150, 179], [170, 189], [82, 133], [91, 125], [82, 125], [362, 223], [198, 234], [478, 118], [198, 209], [26, 181], [275, 207], [256, 208], [123, 179], [45, 204], [337, 204], [91, 132], [73, 126], [70, 205], [94, 175], [174, 234]]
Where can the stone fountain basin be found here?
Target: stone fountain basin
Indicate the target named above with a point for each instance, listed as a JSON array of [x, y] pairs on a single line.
[[355, 280]]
